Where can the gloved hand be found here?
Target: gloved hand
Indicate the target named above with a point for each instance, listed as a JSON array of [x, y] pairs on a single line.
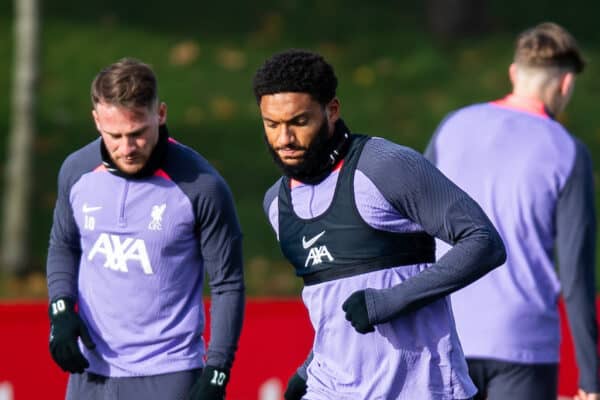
[[355, 307], [211, 385], [296, 388], [65, 327]]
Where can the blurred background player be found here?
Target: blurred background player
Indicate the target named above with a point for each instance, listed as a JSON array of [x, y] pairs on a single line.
[[138, 220], [356, 217], [534, 180]]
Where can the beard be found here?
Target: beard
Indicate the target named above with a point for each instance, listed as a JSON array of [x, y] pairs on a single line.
[[316, 161]]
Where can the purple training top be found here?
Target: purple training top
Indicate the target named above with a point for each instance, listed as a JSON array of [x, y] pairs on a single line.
[[534, 181], [133, 253], [414, 352]]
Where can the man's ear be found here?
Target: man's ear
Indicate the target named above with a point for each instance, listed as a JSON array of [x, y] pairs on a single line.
[[96, 121], [512, 73], [567, 83], [332, 111], [162, 113]]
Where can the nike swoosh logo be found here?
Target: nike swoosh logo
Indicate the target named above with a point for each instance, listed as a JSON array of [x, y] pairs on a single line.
[[87, 209], [307, 243]]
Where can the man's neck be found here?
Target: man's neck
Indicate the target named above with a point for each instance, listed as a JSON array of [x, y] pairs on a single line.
[[528, 102], [153, 163], [542, 94]]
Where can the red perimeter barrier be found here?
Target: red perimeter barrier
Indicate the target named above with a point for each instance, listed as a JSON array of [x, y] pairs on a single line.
[[275, 339]]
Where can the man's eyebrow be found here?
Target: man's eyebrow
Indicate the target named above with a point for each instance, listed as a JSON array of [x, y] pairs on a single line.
[[294, 118], [134, 132]]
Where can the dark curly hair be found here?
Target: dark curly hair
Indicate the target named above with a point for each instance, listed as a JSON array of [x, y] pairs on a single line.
[[296, 70]]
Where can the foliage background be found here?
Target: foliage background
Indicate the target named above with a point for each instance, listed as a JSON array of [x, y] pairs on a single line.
[[397, 80]]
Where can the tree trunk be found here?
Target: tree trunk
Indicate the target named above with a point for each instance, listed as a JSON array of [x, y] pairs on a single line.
[[18, 172], [451, 19]]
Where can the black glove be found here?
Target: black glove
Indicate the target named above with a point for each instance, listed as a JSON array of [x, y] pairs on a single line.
[[296, 388], [355, 307], [211, 385], [65, 327]]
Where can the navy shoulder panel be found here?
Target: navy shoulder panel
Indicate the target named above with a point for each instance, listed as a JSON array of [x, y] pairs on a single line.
[[416, 188], [396, 170], [270, 195], [190, 171], [80, 162], [64, 250], [202, 184], [582, 164]]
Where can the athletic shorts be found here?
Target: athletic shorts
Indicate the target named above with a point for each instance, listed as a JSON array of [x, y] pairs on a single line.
[[500, 380], [89, 386]]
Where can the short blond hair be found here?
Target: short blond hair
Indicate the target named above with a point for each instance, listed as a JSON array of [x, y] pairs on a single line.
[[548, 45], [127, 83]]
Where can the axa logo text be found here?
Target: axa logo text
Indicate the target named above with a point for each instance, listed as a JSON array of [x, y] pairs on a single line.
[[119, 251]]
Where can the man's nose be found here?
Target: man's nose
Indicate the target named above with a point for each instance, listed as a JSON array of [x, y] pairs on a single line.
[[285, 136], [128, 145]]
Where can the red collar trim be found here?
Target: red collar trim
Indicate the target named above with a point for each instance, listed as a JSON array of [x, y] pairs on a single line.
[[520, 103]]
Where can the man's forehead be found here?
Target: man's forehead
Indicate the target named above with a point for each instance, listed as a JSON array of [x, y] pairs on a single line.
[[288, 103], [110, 110]]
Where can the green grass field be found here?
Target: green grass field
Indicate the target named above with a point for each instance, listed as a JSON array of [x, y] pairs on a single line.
[[396, 81]]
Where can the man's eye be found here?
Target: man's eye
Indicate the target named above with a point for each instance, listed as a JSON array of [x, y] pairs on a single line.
[[302, 121]]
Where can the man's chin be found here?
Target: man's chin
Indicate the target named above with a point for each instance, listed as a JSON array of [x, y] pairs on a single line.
[[291, 162], [130, 169]]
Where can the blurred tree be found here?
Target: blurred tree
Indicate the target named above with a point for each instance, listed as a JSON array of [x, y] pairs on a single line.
[[449, 19], [18, 171]]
